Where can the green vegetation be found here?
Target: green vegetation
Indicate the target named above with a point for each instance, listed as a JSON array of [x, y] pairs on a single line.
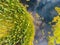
[[55, 39], [16, 24]]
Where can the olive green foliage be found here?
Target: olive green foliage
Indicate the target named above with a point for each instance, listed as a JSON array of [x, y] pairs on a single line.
[[16, 24]]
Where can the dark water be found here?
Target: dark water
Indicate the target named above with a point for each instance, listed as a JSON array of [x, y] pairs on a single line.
[[46, 10]]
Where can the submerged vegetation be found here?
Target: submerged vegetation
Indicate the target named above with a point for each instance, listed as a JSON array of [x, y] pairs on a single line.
[[16, 24]]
